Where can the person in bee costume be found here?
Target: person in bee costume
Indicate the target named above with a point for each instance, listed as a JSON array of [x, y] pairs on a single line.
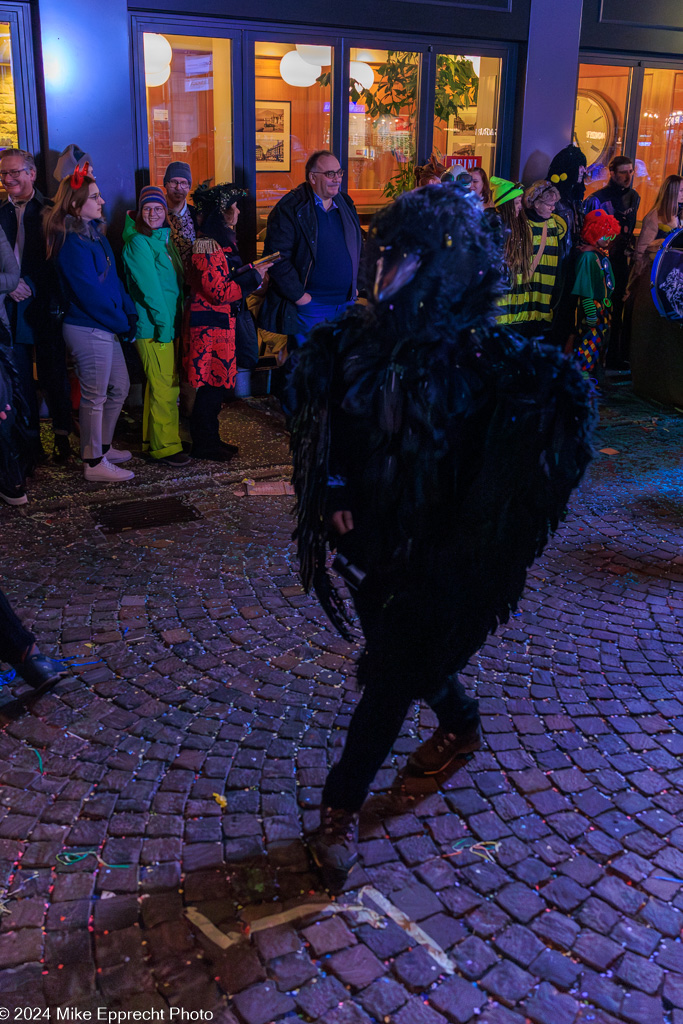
[[435, 451]]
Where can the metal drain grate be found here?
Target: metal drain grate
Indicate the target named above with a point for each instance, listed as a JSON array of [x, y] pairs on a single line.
[[138, 515]]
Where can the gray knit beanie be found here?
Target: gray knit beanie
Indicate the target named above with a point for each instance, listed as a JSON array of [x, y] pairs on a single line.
[[178, 170]]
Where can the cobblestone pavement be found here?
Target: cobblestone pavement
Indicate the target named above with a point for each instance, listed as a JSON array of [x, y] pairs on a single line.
[[152, 805]]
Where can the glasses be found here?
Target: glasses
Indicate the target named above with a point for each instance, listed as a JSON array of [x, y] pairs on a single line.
[[330, 175], [14, 174], [96, 195], [181, 186]]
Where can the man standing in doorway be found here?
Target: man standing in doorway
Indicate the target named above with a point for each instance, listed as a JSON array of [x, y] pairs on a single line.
[[31, 312], [620, 200], [181, 217], [316, 230]]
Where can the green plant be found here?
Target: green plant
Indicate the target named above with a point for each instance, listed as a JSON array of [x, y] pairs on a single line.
[[395, 93]]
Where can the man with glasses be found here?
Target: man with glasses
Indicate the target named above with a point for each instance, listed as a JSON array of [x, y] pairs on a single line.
[[32, 304], [316, 230], [181, 217]]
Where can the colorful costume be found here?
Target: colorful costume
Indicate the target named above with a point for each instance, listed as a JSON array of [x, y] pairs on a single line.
[[454, 446], [594, 284]]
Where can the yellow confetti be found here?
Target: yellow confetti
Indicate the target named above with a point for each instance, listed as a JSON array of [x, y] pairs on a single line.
[[220, 800]]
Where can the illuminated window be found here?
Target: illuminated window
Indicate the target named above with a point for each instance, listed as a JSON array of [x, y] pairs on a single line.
[[466, 110], [293, 102], [660, 133], [9, 137], [382, 126], [189, 106], [600, 118]]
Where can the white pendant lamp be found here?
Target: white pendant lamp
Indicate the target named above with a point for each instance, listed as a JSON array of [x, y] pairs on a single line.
[[156, 78], [295, 71], [362, 74], [320, 56], [158, 55]]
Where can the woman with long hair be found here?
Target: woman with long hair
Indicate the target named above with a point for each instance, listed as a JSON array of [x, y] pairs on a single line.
[[506, 210], [217, 282], [154, 274], [655, 353], [481, 186], [97, 312]]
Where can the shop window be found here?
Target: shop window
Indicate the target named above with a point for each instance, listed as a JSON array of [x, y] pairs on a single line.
[[189, 106], [659, 150], [9, 137], [382, 126], [466, 110], [293, 110], [600, 118]]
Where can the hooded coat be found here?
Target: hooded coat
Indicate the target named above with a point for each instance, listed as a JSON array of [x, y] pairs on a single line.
[[154, 275]]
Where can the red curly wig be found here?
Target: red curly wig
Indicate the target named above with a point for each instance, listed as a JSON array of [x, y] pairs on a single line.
[[597, 225]]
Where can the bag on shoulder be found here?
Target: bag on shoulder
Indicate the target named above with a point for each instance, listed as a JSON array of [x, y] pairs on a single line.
[[246, 339]]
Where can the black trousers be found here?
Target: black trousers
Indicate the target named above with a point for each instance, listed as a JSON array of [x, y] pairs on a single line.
[[50, 354], [15, 640], [404, 659], [204, 419]]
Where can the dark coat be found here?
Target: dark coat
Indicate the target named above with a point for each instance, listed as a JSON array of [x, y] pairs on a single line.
[[93, 293], [293, 231], [30, 320]]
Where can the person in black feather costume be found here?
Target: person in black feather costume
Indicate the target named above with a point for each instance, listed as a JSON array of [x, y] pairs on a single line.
[[436, 453]]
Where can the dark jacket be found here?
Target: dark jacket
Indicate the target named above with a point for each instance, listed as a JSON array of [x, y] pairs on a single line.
[[30, 319], [621, 203], [293, 231], [92, 290]]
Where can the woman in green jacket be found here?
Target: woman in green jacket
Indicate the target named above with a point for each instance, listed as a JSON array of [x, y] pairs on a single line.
[[154, 275]]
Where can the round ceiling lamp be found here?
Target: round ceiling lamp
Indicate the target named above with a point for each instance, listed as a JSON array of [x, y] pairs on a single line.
[[318, 56], [158, 52], [295, 71], [362, 74], [156, 78]]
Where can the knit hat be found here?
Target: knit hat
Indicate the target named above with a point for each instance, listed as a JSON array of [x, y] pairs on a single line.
[[178, 169], [538, 189], [502, 191], [152, 194], [564, 172], [68, 161]]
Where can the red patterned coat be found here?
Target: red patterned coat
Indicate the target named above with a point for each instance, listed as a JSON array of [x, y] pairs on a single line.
[[209, 356]]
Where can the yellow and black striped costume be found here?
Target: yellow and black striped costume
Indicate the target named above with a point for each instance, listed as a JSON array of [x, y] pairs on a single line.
[[532, 301]]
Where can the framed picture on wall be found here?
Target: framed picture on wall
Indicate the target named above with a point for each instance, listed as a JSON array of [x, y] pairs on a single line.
[[273, 138]]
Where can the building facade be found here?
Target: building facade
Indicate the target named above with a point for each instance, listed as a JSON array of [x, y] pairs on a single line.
[[241, 94]]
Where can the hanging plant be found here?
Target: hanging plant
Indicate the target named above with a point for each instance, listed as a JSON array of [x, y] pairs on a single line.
[[395, 94]]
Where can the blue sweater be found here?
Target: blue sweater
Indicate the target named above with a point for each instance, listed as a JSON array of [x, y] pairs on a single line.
[[92, 291], [332, 275]]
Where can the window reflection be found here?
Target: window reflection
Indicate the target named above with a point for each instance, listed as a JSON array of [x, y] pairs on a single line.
[[382, 126], [189, 105], [659, 150], [293, 100], [466, 110]]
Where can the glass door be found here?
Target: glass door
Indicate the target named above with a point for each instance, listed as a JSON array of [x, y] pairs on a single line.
[[189, 105], [382, 125], [600, 118], [659, 149], [466, 110], [292, 115]]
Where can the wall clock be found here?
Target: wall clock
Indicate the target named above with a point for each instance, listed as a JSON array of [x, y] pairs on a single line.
[[594, 126]]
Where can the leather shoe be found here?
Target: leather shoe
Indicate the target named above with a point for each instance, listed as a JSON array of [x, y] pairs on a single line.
[[39, 671]]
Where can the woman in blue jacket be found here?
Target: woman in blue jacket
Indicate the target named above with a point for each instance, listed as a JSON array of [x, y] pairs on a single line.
[[97, 312]]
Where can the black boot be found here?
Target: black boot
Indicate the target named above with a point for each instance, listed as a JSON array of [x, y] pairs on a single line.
[[334, 846]]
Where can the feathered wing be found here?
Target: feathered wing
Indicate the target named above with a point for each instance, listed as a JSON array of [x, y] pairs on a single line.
[[534, 452], [310, 443]]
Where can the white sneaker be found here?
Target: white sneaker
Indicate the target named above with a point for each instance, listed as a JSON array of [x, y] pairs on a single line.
[[117, 455], [14, 496], [106, 473]]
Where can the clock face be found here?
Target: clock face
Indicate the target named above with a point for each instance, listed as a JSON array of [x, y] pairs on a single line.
[[594, 126]]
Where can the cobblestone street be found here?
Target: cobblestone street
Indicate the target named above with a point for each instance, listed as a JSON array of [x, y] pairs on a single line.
[[152, 805]]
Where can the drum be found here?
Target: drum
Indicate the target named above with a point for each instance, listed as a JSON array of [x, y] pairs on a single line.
[[666, 279]]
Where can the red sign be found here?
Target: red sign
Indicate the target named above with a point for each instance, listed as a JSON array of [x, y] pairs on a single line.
[[468, 162]]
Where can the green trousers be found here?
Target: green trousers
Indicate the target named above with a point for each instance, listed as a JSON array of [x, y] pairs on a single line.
[[160, 435]]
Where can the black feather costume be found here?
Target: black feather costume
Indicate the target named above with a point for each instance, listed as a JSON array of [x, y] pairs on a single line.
[[454, 444], [459, 443]]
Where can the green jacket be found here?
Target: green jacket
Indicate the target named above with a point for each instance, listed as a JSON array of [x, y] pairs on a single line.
[[154, 275]]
